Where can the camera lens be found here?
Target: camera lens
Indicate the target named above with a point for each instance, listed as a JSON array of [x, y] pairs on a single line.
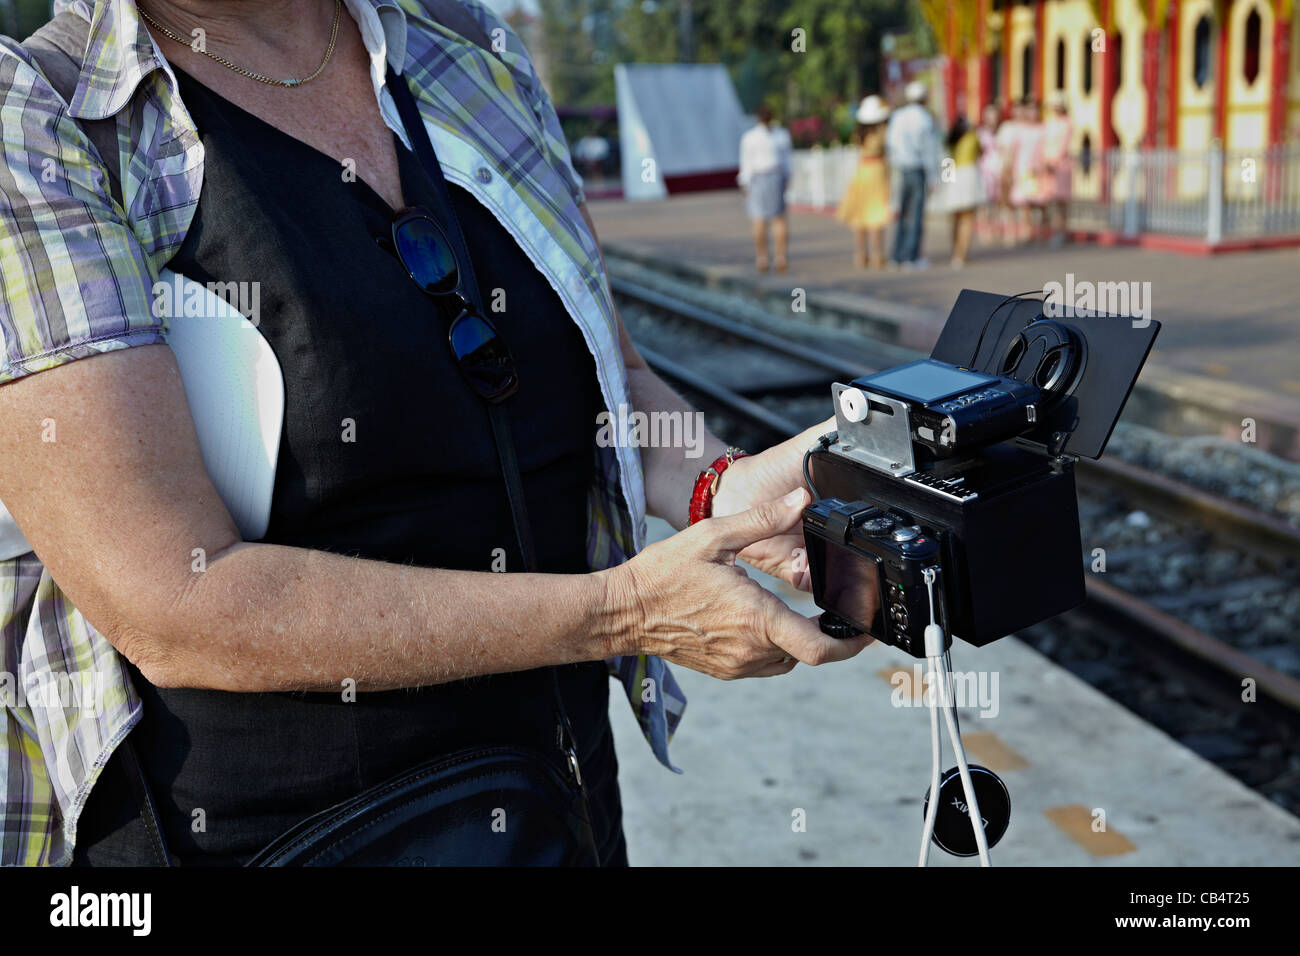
[[1048, 371]]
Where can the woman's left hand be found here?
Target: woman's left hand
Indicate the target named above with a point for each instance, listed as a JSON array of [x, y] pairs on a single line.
[[767, 476]]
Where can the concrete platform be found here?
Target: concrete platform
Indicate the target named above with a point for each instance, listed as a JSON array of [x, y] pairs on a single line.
[[1227, 350], [831, 742]]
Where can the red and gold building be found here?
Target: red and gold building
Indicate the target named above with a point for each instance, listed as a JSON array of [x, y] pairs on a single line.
[[1177, 73]]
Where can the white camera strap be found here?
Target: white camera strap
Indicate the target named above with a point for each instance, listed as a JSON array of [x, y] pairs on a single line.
[[940, 693]]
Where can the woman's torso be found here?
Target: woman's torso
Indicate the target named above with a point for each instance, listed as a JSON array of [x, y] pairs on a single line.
[[764, 149], [966, 151], [871, 147], [1057, 131], [385, 454]]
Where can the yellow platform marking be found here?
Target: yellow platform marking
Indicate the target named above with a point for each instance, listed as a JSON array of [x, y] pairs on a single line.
[[1075, 821], [1293, 387], [905, 682], [986, 748]]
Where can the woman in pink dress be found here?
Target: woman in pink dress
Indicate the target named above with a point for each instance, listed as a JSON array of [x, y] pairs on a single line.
[[1027, 169], [990, 167], [1057, 135], [1007, 143]]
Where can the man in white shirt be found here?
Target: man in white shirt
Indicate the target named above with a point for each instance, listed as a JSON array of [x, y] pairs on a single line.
[[912, 148], [764, 173]]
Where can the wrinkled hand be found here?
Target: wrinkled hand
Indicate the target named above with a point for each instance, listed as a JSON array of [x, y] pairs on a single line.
[[763, 477], [684, 599]]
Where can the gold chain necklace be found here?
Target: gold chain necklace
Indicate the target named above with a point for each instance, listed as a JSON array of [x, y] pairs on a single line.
[[334, 33]]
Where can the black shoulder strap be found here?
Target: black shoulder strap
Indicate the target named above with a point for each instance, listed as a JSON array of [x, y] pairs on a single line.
[[59, 49], [446, 214], [501, 434]]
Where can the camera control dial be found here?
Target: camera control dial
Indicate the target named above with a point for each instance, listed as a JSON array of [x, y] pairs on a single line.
[[878, 526]]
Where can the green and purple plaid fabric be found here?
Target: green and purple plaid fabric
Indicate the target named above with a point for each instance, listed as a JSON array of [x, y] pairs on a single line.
[[76, 272]]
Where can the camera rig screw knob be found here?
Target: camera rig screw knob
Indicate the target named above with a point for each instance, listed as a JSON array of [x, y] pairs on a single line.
[[853, 403]]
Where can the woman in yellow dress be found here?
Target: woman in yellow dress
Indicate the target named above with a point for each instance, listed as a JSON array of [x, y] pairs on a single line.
[[865, 206], [965, 192]]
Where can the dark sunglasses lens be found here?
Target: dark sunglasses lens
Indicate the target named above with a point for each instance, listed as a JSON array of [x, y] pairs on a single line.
[[483, 357], [426, 254]]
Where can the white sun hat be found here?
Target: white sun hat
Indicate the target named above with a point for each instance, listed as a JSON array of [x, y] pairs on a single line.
[[915, 92], [872, 110]]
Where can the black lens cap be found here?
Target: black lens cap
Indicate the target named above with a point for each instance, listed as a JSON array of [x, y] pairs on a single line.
[[953, 832]]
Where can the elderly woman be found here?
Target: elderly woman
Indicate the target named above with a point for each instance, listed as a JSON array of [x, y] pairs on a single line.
[[247, 685]]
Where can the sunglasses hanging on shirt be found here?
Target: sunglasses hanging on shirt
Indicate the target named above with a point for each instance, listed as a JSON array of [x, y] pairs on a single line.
[[429, 259]]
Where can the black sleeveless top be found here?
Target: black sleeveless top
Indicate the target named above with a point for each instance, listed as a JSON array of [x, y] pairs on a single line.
[[385, 454]]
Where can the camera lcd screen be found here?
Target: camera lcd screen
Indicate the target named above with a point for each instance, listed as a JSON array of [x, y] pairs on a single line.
[[925, 381], [853, 588]]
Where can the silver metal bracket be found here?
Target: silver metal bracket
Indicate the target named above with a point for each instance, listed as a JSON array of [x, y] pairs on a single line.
[[881, 438]]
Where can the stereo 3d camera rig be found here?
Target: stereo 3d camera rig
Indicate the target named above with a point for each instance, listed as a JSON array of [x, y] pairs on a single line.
[[945, 505]]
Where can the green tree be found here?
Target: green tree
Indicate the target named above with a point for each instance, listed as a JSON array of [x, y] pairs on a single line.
[[842, 58], [834, 63], [20, 18], [579, 38]]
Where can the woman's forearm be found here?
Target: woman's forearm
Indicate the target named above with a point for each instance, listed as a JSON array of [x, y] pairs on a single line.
[[669, 473], [272, 618]]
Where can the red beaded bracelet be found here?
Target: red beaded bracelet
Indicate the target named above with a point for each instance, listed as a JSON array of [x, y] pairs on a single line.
[[706, 486]]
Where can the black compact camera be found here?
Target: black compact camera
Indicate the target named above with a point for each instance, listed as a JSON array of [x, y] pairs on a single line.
[[946, 494]]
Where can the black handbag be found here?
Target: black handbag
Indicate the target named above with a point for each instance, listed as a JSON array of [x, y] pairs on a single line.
[[499, 806], [482, 806]]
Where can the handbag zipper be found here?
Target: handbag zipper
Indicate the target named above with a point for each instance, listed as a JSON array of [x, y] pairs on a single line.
[[565, 742]]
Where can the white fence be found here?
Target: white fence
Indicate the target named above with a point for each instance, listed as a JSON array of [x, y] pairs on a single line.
[[819, 176], [1212, 194]]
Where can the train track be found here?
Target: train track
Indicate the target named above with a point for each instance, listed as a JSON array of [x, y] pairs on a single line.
[[1121, 612]]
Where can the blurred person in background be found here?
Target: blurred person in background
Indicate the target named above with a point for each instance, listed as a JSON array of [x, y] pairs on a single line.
[[865, 206], [592, 152], [764, 171], [912, 148], [1057, 134], [990, 167], [1027, 168], [1007, 141], [965, 193]]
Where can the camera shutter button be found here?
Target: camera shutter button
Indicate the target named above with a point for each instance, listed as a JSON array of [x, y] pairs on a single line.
[[904, 534]]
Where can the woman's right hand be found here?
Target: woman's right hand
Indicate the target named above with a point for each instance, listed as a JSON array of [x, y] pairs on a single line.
[[686, 600]]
